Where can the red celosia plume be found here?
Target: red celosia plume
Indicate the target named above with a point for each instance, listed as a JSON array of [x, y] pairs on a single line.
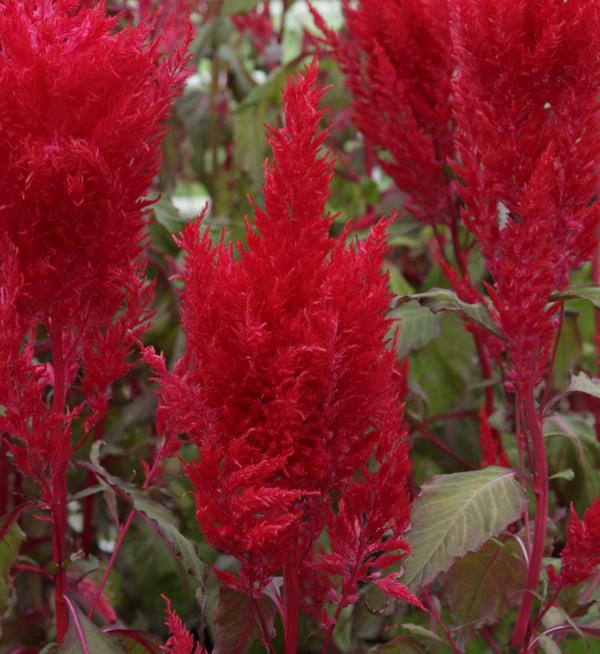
[[287, 387], [397, 62], [581, 555], [525, 97], [81, 115], [180, 639]]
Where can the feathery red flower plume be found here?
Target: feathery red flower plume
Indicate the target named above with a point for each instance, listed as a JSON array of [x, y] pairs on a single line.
[[286, 386], [525, 96], [180, 639], [81, 116], [581, 555], [397, 62]]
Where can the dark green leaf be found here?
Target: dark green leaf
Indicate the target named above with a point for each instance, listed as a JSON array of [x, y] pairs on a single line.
[[83, 637], [443, 299], [482, 586]]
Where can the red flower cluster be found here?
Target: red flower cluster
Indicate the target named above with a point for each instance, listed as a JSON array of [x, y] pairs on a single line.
[[581, 555], [397, 62], [525, 103], [287, 387], [180, 639], [81, 115]]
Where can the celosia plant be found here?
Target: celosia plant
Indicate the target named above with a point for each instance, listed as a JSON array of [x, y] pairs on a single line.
[[78, 151], [527, 115], [287, 387]]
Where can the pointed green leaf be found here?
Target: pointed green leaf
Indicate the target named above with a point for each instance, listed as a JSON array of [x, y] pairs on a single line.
[[418, 326], [135, 642], [443, 299], [482, 586], [163, 519], [83, 637], [456, 514], [590, 293]]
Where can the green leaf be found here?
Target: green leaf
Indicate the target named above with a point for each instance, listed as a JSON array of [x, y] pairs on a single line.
[[136, 642], [249, 143], [457, 513], [83, 637], [10, 543], [444, 367], [237, 624], [163, 519], [571, 442], [590, 293], [582, 383], [443, 299], [398, 646], [418, 326], [483, 585], [422, 632]]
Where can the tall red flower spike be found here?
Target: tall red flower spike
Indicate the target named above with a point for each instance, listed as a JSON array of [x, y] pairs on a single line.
[[525, 104], [396, 58], [525, 96], [81, 115], [287, 386]]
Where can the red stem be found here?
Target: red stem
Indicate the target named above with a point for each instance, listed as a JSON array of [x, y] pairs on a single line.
[[88, 502], [59, 498], [539, 465], [291, 593], [113, 557]]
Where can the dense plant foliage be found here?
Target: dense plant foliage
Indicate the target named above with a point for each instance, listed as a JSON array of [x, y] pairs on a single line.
[[324, 386]]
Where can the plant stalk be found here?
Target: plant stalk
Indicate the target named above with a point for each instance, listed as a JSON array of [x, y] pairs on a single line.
[[59, 498], [539, 466], [291, 593]]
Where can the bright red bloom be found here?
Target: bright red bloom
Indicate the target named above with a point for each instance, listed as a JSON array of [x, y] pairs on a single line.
[[397, 61], [492, 453], [287, 384], [581, 555], [81, 116], [365, 530], [180, 639], [525, 102]]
